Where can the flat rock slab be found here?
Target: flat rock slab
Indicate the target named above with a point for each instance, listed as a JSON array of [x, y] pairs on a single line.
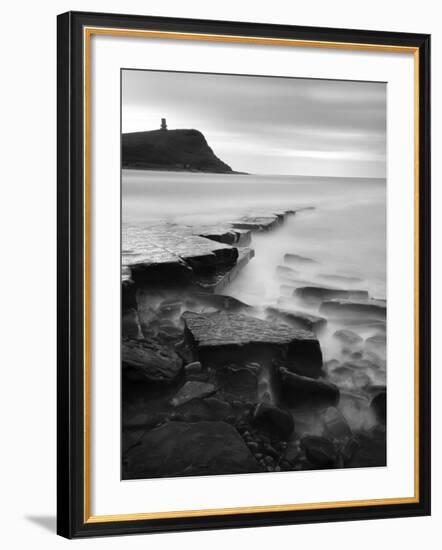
[[298, 319], [321, 294], [217, 282], [220, 338], [257, 223], [189, 449], [158, 253], [371, 309]]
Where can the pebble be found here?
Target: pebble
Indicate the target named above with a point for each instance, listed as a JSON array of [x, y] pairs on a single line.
[[194, 367]]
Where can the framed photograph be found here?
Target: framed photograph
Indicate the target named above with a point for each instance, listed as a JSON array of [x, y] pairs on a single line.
[[243, 274]]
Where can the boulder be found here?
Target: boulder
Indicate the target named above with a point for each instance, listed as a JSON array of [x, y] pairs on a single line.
[[272, 420], [192, 390], [188, 449], [222, 338], [319, 450], [302, 391], [149, 361]]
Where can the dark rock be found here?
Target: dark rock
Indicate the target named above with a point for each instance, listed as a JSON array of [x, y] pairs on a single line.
[[319, 450], [272, 420], [298, 319], [371, 450], [160, 267], [208, 409], [222, 338], [185, 449], [192, 390], [130, 325], [239, 381], [128, 295], [348, 337], [169, 254], [303, 391], [315, 294], [295, 259], [351, 309], [224, 235], [349, 450], [183, 350], [149, 361], [379, 406], [218, 281]]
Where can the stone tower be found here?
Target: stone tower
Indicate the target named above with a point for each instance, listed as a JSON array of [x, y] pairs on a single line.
[[163, 124]]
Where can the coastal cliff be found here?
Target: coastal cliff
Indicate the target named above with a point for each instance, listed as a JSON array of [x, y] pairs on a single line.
[[164, 149]]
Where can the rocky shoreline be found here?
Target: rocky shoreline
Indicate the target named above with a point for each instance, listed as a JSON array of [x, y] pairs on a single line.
[[212, 385]]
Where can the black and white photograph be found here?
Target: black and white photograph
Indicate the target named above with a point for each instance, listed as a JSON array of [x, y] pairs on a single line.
[[253, 272]]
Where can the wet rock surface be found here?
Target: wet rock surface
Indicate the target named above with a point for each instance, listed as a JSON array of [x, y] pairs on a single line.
[[320, 294], [149, 361], [215, 385], [182, 448], [220, 337], [272, 420], [372, 309], [298, 319], [299, 391]]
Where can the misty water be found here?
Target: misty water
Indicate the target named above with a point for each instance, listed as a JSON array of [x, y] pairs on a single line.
[[345, 234]]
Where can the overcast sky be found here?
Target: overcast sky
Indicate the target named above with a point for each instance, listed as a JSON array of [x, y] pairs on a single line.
[[267, 125]]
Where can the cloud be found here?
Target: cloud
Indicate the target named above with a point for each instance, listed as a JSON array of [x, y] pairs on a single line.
[[287, 125]]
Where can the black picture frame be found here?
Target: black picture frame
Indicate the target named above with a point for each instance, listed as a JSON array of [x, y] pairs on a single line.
[[72, 518]]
